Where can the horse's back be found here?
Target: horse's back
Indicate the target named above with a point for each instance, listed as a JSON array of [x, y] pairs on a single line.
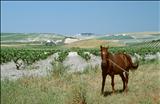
[[120, 60]]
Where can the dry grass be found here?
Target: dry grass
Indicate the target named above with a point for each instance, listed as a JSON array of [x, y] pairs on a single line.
[[84, 88], [93, 43]]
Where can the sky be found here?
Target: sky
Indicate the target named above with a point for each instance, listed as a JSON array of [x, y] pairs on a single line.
[[72, 17]]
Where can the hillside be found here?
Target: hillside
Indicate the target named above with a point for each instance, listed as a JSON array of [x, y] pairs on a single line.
[[135, 37], [153, 43], [30, 37], [114, 37]]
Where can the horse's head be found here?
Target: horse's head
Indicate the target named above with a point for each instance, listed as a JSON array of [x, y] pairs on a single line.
[[104, 53]]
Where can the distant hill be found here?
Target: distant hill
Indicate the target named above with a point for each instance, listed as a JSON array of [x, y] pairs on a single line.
[[134, 37], [114, 37], [87, 34], [81, 40], [153, 44], [30, 37]]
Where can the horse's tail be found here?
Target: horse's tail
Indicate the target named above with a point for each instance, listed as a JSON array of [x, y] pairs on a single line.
[[132, 65], [135, 66]]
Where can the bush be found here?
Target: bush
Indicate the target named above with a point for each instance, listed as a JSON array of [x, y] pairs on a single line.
[[84, 55], [62, 56]]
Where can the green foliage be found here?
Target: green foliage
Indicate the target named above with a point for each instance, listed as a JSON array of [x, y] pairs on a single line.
[[84, 55], [27, 56], [30, 55], [95, 52], [62, 55]]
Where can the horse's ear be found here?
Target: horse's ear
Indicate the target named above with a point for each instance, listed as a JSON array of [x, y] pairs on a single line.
[[101, 46], [107, 47]]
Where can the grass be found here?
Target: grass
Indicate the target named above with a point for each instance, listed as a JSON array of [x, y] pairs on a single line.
[[59, 69], [84, 88]]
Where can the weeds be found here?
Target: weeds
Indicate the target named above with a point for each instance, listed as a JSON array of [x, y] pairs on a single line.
[[78, 93], [58, 69], [90, 69]]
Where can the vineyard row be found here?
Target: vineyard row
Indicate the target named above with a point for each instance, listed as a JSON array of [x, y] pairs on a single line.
[[31, 56]]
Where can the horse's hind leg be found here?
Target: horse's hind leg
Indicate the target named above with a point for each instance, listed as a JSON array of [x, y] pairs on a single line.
[[126, 75], [112, 83], [103, 83], [123, 79]]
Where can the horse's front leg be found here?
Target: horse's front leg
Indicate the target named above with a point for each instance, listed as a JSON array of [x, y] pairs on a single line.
[[112, 83], [103, 82]]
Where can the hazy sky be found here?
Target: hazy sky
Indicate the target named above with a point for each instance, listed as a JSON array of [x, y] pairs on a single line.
[[71, 17]]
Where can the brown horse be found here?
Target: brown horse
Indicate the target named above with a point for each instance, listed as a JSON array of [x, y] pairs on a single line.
[[117, 64]]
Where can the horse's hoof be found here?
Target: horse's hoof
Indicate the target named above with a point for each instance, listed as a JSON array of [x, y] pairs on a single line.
[[101, 93]]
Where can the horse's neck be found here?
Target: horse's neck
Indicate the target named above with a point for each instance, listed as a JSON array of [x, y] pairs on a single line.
[[107, 58], [110, 56]]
